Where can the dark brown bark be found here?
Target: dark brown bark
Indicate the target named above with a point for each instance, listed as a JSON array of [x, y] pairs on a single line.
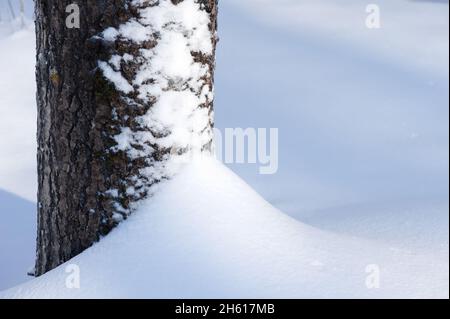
[[76, 126]]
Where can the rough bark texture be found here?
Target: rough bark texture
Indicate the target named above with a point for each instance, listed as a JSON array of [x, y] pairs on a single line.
[[79, 113]]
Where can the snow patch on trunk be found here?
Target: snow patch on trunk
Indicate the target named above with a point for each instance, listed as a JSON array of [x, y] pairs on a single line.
[[171, 52]]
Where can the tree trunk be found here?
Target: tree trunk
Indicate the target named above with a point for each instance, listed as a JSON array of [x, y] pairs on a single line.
[[119, 104]]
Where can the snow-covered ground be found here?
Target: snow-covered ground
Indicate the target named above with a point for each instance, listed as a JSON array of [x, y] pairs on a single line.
[[18, 115], [17, 237], [363, 173], [220, 239]]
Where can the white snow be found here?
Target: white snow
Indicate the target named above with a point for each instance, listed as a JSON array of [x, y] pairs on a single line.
[[413, 33], [221, 239], [17, 239], [18, 114], [177, 78], [115, 77]]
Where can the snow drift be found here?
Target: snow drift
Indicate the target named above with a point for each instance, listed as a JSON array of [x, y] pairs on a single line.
[[207, 234]]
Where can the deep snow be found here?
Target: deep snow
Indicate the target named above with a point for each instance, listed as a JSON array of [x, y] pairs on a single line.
[[363, 158], [219, 239]]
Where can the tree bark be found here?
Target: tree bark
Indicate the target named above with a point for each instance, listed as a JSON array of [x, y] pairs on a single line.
[[88, 179]]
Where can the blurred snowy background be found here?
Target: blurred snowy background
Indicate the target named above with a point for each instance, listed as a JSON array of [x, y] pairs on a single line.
[[362, 116]]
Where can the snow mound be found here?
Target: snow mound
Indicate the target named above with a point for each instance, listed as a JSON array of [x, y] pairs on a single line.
[[207, 234]]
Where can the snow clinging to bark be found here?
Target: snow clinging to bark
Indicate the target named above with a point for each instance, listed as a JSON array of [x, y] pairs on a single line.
[[172, 75]]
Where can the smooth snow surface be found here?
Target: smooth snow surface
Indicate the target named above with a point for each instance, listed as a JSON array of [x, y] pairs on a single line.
[[18, 114], [18, 237], [208, 234]]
